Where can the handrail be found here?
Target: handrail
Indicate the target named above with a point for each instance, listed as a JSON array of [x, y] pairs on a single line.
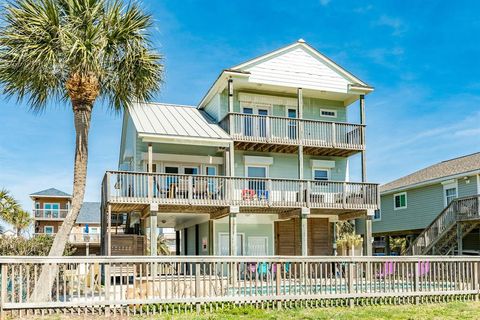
[[439, 225]]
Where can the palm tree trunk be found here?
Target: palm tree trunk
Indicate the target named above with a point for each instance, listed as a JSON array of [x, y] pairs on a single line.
[[82, 116]]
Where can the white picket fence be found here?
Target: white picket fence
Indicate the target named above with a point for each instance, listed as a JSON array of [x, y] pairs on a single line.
[[128, 285]]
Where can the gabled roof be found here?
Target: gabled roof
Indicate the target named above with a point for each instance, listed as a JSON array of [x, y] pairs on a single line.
[[89, 213], [52, 192], [469, 164], [175, 121], [243, 67]]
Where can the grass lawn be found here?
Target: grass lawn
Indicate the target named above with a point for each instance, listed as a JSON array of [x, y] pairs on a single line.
[[452, 310]]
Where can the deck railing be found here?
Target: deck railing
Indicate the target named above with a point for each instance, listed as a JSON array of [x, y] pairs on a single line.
[[50, 213], [125, 285], [458, 210], [175, 189], [76, 237], [314, 133]]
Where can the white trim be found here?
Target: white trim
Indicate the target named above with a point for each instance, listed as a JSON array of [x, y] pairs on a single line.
[[267, 174], [478, 183], [450, 184], [328, 110], [171, 157], [406, 201], [429, 182], [157, 138], [327, 164], [266, 100], [321, 169], [256, 160]]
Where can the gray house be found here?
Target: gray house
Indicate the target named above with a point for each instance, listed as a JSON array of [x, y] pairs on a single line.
[[429, 203]]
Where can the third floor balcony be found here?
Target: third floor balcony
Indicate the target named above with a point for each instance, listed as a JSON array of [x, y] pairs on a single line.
[[281, 134]]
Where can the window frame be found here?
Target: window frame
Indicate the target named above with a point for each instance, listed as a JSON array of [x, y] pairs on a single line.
[[45, 230], [321, 169], [335, 114], [395, 203], [379, 215], [448, 186], [266, 167]]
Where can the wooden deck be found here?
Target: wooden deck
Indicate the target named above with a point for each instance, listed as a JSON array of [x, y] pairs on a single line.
[[284, 135], [134, 191]]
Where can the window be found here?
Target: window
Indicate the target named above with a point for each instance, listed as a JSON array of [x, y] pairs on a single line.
[[377, 215], [258, 186], [256, 172], [52, 210], [400, 200], [211, 171], [48, 229], [450, 194], [321, 174], [328, 113]]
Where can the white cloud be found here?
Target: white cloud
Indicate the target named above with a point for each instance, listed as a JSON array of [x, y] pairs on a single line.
[[396, 24]]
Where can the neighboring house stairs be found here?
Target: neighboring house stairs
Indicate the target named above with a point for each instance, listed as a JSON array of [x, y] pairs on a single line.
[[443, 236]]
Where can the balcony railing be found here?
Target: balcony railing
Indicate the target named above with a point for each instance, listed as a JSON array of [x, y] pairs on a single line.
[[50, 213], [174, 189], [280, 130], [76, 237]]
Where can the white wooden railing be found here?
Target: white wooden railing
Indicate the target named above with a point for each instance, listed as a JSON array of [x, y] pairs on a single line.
[[315, 133], [125, 285], [461, 209], [175, 189], [50, 213], [76, 237]]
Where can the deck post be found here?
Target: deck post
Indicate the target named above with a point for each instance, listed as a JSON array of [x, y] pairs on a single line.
[[232, 230], [300, 133], [231, 160], [459, 239], [231, 128], [367, 238], [362, 121], [153, 229], [305, 212], [109, 231]]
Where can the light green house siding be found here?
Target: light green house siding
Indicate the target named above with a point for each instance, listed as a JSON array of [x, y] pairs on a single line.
[[424, 204], [203, 234], [286, 165]]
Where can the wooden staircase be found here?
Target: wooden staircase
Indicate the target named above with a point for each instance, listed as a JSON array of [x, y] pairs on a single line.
[[441, 237]]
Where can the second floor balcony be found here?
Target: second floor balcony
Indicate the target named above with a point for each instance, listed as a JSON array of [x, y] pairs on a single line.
[[280, 134], [187, 192], [50, 214]]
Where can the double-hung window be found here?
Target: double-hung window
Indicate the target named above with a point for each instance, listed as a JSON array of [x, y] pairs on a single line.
[[321, 174], [450, 192], [400, 201]]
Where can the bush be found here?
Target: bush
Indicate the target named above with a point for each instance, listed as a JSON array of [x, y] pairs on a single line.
[[36, 246]]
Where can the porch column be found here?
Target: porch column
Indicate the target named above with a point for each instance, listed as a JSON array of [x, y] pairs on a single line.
[[367, 237], [177, 242], [304, 230], [232, 230], [363, 155], [300, 132], [230, 104], [334, 231], [153, 229], [109, 232], [459, 239], [231, 160]]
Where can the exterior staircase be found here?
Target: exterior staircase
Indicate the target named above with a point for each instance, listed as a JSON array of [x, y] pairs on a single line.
[[441, 237]]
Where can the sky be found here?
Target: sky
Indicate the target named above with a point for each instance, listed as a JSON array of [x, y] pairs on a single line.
[[421, 57]]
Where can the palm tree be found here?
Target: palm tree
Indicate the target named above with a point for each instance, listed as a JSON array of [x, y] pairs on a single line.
[[12, 213], [77, 51]]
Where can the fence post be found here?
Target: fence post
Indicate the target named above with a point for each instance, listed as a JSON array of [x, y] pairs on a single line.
[[197, 287], [350, 283], [476, 284], [278, 276], [3, 293], [417, 282], [107, 288]]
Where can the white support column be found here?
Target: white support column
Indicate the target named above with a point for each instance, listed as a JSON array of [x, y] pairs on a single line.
[[300, 162], [153, 229], [363, 155], [459, 239], [232, 230], [230, 105], [231, 160], [367, 237], [300, 103], [109, 232], [150, 158], [300, 132], [305, 212]]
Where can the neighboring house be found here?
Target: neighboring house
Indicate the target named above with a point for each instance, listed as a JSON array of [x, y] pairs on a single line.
[[51, 206], [418, 204], [259, 167]]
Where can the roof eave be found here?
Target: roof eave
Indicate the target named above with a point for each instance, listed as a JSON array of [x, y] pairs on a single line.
[[219, 83], [430, 182]]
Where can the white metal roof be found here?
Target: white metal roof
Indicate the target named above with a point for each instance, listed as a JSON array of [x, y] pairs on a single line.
[[176, 121]]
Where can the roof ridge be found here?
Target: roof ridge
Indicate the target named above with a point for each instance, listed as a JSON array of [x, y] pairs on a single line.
[[460, 157]]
